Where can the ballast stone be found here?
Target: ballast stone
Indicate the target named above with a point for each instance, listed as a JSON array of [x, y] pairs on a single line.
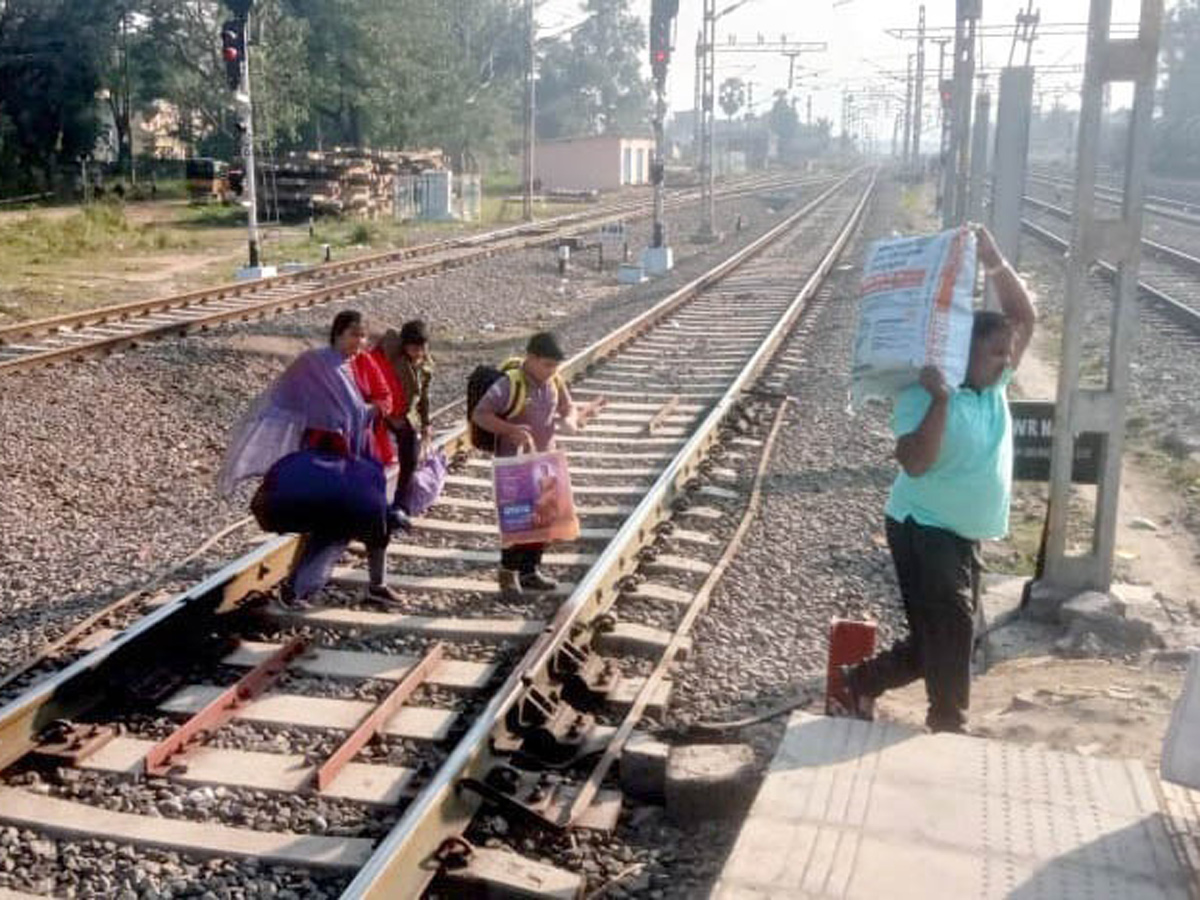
[[709, 781], [1096, 621]]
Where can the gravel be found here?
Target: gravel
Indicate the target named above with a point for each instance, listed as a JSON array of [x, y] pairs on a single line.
[[111, 478], [1163, 420], [814, 551]]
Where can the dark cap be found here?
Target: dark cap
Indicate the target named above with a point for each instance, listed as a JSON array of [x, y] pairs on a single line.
[[545, 345], [414, 332]]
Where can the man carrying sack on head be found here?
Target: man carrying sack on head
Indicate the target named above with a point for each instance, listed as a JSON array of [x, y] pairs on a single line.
[[523, 409]]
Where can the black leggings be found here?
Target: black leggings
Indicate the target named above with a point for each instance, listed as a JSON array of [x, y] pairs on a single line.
[[408, 449], [938, 572], [523, 558]]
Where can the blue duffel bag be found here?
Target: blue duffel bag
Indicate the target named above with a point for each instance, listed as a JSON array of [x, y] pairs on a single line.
[[315, 491]]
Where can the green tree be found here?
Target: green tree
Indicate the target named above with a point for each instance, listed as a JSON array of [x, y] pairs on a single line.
[[51, 56], [1177, 134], [732, 96], [783, 120], [591, 82]]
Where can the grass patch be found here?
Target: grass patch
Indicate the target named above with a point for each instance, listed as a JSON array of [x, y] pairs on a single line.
[[214, 215], [98, 229], [497, 184]]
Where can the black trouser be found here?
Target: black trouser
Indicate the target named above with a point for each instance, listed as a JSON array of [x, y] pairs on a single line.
[[408, 451], [523, 558], [938, 573]]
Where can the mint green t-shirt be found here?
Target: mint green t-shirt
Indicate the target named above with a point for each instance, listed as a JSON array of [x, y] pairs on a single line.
[[967, 490]]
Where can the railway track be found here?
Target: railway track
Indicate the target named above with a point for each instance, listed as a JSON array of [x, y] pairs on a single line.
[[1170, 278], [33, 344], [1184, 211], [218, 699]]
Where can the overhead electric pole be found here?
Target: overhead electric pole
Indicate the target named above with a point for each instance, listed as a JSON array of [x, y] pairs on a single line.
[[956, 173], [919, 92], [708, 208], [908, 112], [707, 50], [530, 110], [698, 105]]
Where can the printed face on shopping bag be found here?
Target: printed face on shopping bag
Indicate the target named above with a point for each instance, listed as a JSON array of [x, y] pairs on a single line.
[[533, 499]]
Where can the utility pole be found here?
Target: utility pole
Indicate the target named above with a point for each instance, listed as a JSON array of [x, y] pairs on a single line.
[[708, 207], [956, 174], [943, 120], [908, 113], [698, 124], [919, 92], [979, 153], [530, 110]]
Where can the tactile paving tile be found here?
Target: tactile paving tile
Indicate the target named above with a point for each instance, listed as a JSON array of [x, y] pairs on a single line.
[[868, 810]]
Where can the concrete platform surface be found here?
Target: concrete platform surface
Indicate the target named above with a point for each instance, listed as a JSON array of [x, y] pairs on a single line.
[[870, 810]]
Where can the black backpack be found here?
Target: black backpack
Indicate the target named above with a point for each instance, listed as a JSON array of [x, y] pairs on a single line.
[[478, 383]]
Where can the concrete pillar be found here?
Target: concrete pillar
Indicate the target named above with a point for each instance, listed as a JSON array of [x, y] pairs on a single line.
[[979, 155], [1009, 163], [1085, 409]]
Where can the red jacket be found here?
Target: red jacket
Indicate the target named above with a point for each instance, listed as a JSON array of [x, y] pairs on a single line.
[[373, 385]]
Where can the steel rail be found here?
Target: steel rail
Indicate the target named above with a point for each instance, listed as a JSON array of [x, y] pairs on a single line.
[[400, 868], [1178, 312], [124, 311], [70, 691], [89, 680], [1165, 207], [472, 250], [1172, 255]]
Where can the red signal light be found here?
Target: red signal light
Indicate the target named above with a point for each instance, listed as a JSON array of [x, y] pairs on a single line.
[[231, 54]]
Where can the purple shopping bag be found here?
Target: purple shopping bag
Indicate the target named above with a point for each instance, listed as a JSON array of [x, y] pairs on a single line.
[[534, 503], [426, 484]]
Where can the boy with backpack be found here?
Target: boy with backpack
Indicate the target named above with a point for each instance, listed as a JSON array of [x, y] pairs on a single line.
[[518, 408]]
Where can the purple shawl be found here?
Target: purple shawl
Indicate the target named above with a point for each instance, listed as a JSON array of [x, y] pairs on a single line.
[[316, 391]]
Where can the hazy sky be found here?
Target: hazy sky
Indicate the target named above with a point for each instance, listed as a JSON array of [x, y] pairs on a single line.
[[858, 47]]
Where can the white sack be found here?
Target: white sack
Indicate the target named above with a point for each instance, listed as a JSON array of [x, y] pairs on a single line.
[[915, 310]]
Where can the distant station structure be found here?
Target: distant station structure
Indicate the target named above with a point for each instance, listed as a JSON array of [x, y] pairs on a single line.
[[601, 163]]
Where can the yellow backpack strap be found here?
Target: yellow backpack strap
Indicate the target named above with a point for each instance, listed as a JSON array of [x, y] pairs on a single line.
[[517, 389]]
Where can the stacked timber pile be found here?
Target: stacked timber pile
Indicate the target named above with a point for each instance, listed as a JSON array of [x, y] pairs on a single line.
[[345, 180]]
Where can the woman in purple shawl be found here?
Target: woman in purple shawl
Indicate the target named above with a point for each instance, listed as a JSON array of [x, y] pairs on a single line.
[[315, 404]]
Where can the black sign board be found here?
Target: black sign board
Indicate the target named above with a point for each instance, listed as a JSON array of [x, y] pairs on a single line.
[[1033, 434]]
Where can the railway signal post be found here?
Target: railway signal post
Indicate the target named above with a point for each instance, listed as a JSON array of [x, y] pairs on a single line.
[[235, 51], [658, 258]]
